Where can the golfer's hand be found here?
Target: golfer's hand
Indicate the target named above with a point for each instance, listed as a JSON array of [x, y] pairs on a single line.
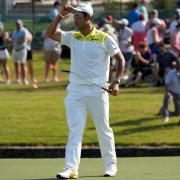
[[65, 9], [114, 88]]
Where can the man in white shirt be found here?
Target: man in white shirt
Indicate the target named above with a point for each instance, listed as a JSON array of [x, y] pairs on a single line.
[[90, 56], [172, 90]]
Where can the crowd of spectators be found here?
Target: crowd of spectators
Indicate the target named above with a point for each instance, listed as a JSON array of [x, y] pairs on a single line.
[[150, 45]]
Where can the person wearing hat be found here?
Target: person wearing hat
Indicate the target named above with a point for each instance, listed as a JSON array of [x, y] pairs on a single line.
[[175, 41], [172, 91], [90, 57], [174, 22], [153, 38], [19, 53], [4, 54], [139, 30], [125, 36], [162, 25]]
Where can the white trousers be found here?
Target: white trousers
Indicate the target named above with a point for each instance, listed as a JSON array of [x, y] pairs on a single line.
[[78, 103]]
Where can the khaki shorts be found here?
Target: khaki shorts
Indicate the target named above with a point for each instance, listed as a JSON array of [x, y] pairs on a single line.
[[51, 56], [4, 54], [20, 56]]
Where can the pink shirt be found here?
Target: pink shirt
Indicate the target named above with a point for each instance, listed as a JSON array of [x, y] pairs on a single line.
[[175, 42]]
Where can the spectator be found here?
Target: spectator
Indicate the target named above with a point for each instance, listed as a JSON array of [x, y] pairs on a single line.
[[175, 41], [165, 61], [19, 40], [172, 91], [143, 9], [54, 11], [125, 44], [139, 30], [52, 51], [162, 25], [153, 38], [4, 55], [142, 65], [107, 27], [175, 21], [30, 56], [133, 15]]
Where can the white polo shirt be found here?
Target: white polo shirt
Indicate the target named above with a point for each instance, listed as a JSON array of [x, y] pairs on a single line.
[[90, 55]]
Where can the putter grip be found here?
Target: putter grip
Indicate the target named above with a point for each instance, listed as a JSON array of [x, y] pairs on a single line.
[[109, 91]]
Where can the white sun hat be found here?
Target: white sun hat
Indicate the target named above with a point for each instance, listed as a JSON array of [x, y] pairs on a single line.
[[84, 7], [124, 21]]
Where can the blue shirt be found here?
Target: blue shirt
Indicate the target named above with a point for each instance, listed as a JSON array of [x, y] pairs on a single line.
[[133, 16], [17, 36], [53, 13], [173, 81]]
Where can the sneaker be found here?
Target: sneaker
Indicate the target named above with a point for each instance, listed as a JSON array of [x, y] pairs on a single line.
[[55, 79], [67, 174], [34, 80], [166, 119], [18, 81], [111, 170], [25, 81], [8, 81], [46, 80]]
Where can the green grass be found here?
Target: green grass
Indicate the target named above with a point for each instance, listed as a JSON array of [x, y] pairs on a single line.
[[153, 168], [37, 116]]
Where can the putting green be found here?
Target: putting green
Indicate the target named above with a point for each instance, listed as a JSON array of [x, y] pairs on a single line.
[[151, 168]]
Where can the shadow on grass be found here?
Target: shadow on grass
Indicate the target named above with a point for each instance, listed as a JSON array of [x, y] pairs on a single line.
[[141, 129], [134, 122], [139, 126], [81, 177], [43, 179]]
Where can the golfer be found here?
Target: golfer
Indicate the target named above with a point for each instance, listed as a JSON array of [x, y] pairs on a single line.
[[90, 57]]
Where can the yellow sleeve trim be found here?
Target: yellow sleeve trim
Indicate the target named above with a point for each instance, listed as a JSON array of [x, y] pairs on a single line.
[[95, 36]]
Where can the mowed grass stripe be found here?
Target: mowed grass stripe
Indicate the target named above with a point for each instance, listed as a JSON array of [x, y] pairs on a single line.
[[151, 168]]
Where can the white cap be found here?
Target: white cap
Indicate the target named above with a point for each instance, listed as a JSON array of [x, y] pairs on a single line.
[[156, 21], [123, 21], [84, 7]]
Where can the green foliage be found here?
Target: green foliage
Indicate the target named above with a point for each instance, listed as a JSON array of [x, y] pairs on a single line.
[[37, 116]]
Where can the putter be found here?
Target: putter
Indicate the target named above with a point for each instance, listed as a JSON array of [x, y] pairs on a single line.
[[67, 71]]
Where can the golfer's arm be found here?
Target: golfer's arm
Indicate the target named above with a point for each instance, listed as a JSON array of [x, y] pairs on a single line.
[[51, 32], [121, 65]]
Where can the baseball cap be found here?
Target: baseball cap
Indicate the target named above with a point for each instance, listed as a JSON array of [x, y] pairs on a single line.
[[124, 21], [156, 21], [19, 21], [84, 7], [109, 17]]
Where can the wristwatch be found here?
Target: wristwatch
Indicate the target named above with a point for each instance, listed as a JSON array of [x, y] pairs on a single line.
[[117, 81]]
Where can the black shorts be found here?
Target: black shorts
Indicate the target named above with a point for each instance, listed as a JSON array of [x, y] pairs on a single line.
[[29, 55]]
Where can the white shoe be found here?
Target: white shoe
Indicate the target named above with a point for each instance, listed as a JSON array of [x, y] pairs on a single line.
[[25, 81], [55, 79], [166, 119], [34, 80], [18, 81], [67, 174], [111, 170], [46, 80], [8, 81]]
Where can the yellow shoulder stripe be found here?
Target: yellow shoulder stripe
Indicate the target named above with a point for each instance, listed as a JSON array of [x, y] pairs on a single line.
[[94, 36]]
